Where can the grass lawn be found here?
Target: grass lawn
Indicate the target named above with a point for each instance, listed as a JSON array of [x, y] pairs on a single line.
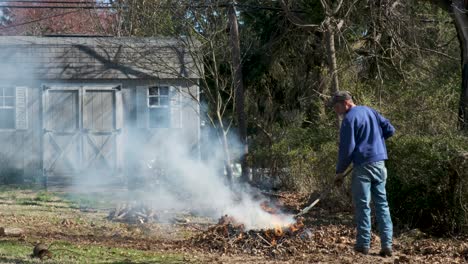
[[77, 236], [64, 252]]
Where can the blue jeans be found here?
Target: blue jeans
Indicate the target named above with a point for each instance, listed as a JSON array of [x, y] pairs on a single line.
[[369, 179]]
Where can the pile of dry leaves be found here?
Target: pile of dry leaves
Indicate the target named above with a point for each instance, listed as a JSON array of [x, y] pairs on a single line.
[[230, 237]]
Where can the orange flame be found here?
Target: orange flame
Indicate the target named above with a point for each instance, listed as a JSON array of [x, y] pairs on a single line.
[[296, 226], [278, 231], [293, 228], [273, 242]]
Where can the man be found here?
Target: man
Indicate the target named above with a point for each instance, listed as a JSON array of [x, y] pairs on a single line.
[[362, 141]]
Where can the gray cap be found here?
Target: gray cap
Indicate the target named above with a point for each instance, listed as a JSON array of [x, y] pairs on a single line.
[[339, 96]]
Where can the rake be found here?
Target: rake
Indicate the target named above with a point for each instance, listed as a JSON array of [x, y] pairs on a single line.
[[322, 196]]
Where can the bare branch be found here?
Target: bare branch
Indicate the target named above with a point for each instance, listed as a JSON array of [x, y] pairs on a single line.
[[337, 8], [295, 20], [326, 7]]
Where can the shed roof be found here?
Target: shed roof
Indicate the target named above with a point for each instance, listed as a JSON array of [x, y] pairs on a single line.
[[93, 58]]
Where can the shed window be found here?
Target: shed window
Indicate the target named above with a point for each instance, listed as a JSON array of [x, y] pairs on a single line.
[[7, 107], [159, 107]]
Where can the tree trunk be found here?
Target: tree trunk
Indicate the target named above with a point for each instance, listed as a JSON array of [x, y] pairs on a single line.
[[463, 105], [225, 144], [227, 158], [239, 89], [461, 23], [331, 55], [331, 58]]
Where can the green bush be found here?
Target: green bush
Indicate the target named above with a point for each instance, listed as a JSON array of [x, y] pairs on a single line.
[[427, 184], [294, 156]]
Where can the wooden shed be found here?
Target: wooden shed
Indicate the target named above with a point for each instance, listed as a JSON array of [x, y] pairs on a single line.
[[73, 107]]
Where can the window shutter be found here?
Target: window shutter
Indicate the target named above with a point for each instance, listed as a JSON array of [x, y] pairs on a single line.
[[142, 106], [176, 111], [21, 113]]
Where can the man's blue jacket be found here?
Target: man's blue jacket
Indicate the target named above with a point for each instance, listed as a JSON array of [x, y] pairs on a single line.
[[362, 137]]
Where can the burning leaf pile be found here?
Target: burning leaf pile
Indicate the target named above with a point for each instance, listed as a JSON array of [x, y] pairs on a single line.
[[133, 213], [228, 236]]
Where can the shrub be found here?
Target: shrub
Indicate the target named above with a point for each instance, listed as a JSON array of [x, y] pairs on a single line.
[[293, 157], [427, 184]]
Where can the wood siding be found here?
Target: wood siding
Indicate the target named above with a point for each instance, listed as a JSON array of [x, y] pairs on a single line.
[[72, 127]]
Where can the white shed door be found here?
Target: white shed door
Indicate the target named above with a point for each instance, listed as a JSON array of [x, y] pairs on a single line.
[[99, 130], [62, 139], [81, 131]]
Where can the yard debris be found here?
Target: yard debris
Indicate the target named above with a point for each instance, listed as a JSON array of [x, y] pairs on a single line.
[[436, 250], [229, 236], [11, 231], [133, 213], [41, 251], [67, 223]]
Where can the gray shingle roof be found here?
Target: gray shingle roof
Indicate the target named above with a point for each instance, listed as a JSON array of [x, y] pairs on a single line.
[[93, 58]]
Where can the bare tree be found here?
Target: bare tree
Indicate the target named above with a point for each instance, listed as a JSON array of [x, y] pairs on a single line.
[[329, 26], [203, 46], [400, 34], [238, 87]]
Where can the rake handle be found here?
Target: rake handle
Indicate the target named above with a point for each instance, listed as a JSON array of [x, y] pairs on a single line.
[[321, 197]]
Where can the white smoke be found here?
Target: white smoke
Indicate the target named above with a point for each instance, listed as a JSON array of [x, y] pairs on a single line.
[[169, 177], [202, 187]]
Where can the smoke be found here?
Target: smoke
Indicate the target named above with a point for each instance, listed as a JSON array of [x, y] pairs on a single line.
[[170, 177], [179, 180], [249, 212]]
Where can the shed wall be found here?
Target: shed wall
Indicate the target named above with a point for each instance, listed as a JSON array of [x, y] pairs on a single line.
[[23, 149]]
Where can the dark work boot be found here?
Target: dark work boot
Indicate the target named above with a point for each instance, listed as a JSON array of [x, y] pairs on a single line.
[[386, 252], [362, 250]]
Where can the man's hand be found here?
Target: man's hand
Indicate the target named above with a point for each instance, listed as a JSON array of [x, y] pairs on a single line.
[[339, 179]]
